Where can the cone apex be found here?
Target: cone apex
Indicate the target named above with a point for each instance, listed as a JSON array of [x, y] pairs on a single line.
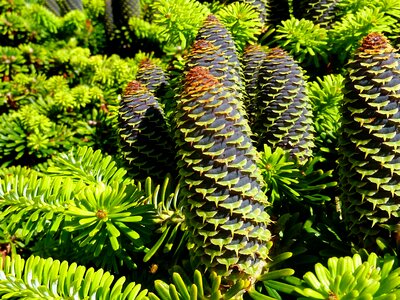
[[199, 77], [374, 41], [133, 86]]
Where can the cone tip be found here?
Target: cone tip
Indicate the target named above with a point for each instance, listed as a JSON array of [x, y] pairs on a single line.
[[374, 41], [277, 52], [252, 48], [146, 63], [199, 77], [212, 18], [201, 45], [133, 87]]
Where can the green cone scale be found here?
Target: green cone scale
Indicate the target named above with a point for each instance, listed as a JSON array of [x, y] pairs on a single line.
[[206, 54], [251, 61], [121, 11], [215, 49], [152, 76], [285, 117], [261, 6], [370, 141], [68, 5], [145, 140], [224, 203], [321, 12]]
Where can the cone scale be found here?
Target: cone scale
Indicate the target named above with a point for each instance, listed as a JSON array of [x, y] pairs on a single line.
[[206, 54], [130, 8], [262, 7], [53, 6], [109, 19]]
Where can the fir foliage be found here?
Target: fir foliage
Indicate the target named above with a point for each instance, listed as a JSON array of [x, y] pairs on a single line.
[[84, 201], [38, 278], [352, 278], [166, 198], [288, 180], [179, 20], [326, 96], [198, 289], [349, 30], [304, 40], [262, 7], [27, 136], [242, 21]]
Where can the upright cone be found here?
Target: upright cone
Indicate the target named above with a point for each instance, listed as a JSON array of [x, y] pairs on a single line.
[[284, 116], [370, 141], [252, 59], [152, 76], [145, 140], [224, 203]]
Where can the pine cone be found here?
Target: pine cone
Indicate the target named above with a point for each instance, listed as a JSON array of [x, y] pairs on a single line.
[[109, 19], [285, 118], [206, 54], [146, 143], [130, 8], [370, 140], [262, 7], [213, 45], [74, 4], [214, 32], [252, 58], [225, 206], [152, 76], [53, 6], [123, 10], [68, 5], [321, 12]]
